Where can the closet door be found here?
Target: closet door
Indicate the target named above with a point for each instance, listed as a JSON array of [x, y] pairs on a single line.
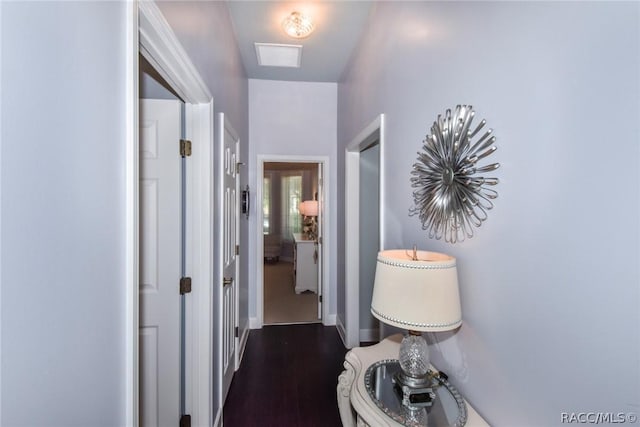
[[160, 262]]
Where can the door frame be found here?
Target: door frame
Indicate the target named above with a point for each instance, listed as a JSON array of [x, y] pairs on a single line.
[[373, 132], [326, 238], [149, 34]]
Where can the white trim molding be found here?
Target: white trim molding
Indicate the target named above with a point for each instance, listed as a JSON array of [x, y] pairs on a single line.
[[159, 46], [329, 320], [199, 343], [254, 323], [258, 321], [341, 330], [131, 219]]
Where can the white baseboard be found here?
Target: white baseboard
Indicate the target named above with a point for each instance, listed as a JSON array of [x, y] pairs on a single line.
[[254, 323], [369, 335], [218, 421], [341, 331], [329, 320], [243, 345]]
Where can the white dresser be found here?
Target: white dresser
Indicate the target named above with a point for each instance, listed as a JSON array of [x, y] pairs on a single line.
[[305, 264]]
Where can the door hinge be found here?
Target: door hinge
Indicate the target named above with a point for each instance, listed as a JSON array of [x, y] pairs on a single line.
[[238, 166], [320, 240], [237, 332], [320, 298], [185, 421], [185, 285], [237, 249], [185, 147]]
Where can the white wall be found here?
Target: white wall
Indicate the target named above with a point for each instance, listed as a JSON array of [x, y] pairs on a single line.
[[63, 278], [205, 31], [550, 283], [292, 119]]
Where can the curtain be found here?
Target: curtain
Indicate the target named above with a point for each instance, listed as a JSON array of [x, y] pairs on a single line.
[[291, 220], [266, 205]]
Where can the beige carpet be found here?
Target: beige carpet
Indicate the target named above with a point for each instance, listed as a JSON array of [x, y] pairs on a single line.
[[281, 304]]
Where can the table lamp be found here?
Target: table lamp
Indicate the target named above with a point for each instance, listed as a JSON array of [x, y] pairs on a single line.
[[417, 291], [309, 209]]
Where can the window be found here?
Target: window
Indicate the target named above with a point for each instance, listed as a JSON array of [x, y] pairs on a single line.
[[291, 199], [281, 198], [266, 205]]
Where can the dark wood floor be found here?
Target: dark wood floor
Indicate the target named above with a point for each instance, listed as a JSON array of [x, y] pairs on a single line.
[[288, 377]]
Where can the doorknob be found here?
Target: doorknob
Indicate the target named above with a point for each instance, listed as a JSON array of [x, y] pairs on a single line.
[[227, 281]]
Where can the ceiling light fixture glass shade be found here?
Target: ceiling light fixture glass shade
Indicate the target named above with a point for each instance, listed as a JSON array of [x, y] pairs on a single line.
[[297, 25]]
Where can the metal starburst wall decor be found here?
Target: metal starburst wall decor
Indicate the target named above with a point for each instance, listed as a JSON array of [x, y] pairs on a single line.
[[451, 196]]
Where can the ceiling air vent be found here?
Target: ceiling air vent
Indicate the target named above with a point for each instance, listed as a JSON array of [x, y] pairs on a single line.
[[278, 55]]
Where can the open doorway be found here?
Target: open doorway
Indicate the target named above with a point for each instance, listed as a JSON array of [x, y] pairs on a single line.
[[291, 238], [161, 201], [364, 195]]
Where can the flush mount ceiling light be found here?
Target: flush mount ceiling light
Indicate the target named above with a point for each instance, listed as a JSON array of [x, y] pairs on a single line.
[[297, 25]]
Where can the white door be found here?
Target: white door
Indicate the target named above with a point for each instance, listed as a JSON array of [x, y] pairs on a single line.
[[320, 239], [230, 259], [160, 262]]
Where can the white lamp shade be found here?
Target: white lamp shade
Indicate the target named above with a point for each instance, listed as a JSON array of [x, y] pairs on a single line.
[[301, 208], [309, 208], [418, 295]]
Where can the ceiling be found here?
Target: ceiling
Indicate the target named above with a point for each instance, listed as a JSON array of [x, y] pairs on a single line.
[[325, 53]]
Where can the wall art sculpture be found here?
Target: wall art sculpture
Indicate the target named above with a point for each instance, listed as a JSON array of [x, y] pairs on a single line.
[[451, 195]]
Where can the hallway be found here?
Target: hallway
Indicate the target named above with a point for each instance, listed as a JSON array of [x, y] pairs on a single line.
[[288, 378]]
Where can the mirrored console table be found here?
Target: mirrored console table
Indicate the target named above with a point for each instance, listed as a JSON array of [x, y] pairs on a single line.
[[366, 397]]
